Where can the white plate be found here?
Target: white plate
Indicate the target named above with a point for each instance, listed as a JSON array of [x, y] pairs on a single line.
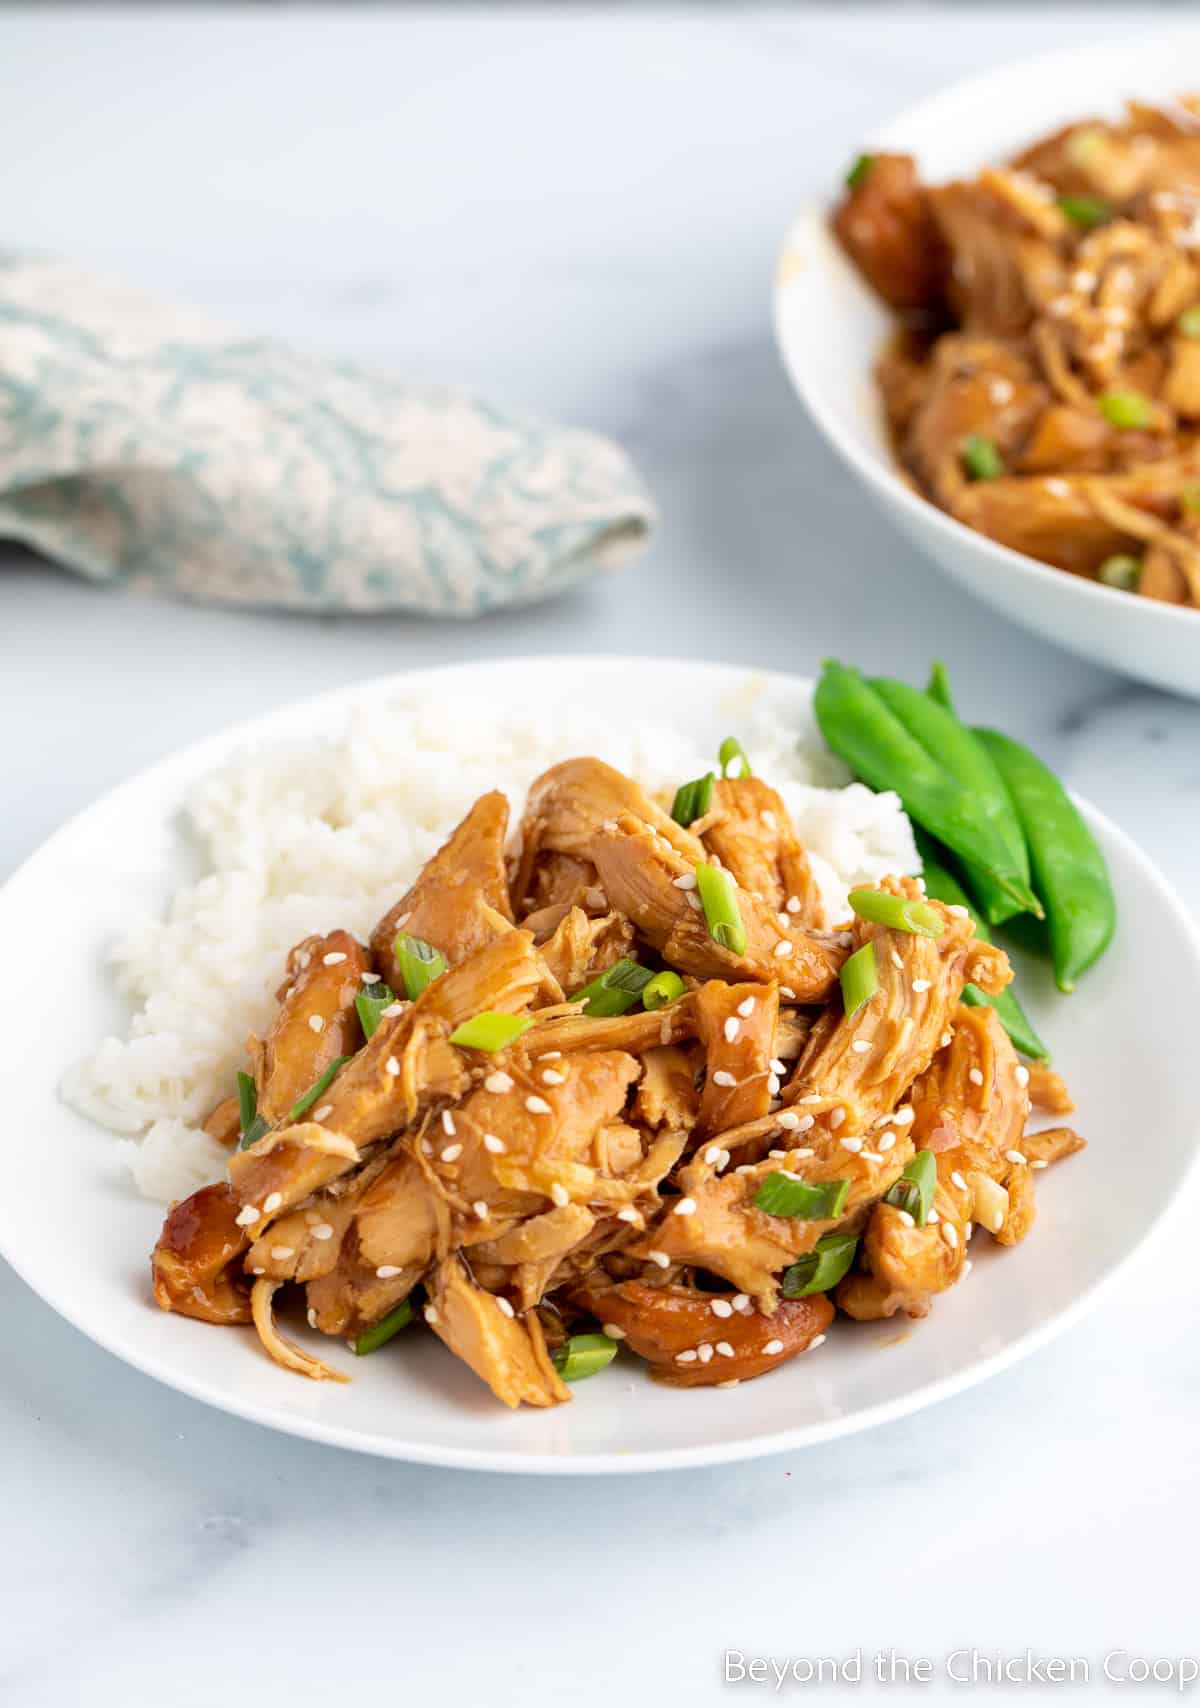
[[72, 1227], [831, 327]]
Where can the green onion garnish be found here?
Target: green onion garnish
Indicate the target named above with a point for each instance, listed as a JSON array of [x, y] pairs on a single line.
[[718, 898], [897, 912], [253, 1124], [490, 1030], [1087, 211], [314, 1091], [583, 1355], [1189, 321], [914, 1191], [1189, 498], [371, 1339], [809, 1200], [419, 962], [1121, 571], [821, 1268], [980, 458], [860, 979], [731, 749], [1126, 408], [858, 172], [692, 800], [615, 991], [664, 987], [371, 1003]]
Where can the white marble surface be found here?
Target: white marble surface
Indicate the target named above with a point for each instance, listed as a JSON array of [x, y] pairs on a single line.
[[577, 212]]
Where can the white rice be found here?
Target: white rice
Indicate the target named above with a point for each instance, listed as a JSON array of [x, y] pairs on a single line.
[[310, 836]]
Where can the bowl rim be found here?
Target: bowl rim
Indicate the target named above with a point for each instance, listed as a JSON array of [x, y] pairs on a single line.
[[885, 477]]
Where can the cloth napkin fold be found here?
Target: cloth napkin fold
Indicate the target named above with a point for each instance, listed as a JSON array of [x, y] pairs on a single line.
[[142, 442]]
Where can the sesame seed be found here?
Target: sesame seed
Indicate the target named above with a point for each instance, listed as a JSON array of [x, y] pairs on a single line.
[[387, 1271], [793, 904], [746, 1008], [312, 1317], [685, 1207], [629, 1214], [712, 1155], [921, 984], [392, 1066], [335, 959], [887, 1142], [904, 1117], [773, 1348], [281, 1253], [908, 1220], [693, 902], [1021, 1075], [945, 1039], [975, 1077], [802, 1154], [399, 924], [687, 1356], [860, 1046], [614, 1331], [659, 1257], [493, 1144], [447, 1123], [783, 920], [1015, 1156], [958, 910], [550, 1076], [819, 1341], [852, 1144], [559, 1195], [783, 947], [723, 1349], [733, 1382], [776, 1066], [610, 824], [871, 1156], [836, 1118], [957, 1180], [322, 1231], [452, 1153], [498, 1081], [776, 1153], [324, 1112], [731, 1029], [550, 1056], [537, 1106], [685, 881], [950, 1234], [391, 1011], [370, 978], [1039, 1162], [258, 1270], [505, 1306], [932, 1218], [705, 1353], [720, 1307], [426, 1148], [789, 1120], [723, 1160], [723, 1077], [741, 1302], [431, 1315], [744, 1168], [271, 1203], [317, 1024], [896, 961]]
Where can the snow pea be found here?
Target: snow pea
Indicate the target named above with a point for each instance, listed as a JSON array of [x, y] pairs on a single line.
[[1068, 867], [861, 728], [943, 886], [966, 759]]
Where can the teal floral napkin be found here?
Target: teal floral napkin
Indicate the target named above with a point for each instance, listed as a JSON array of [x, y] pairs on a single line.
[[142, 443]]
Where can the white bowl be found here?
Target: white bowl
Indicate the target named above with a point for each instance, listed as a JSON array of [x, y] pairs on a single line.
[[831, 326], [72, 1226]]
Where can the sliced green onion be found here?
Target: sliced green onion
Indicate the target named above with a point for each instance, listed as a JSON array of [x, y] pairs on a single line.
[[419, 962], [664, 987], [616, 990], [1189, 321], [371, 1003], [980, 458], [718, 898], [860, 979], [371, 1339], [897, 912], [731, 749], [314, 1091], [490, 1030], [1126, 408], [859, 172], [692, 800], [1189, 498], [808, 1200], [914, 1191], [1121, 571], [821, 1268], [1087, 211], [253, 1124], [583, 1355], [939, 687]]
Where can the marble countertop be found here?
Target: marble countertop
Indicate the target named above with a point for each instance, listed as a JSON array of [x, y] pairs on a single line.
[[576, 212]]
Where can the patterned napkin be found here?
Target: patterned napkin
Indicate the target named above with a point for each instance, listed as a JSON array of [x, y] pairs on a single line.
[[141, 442]]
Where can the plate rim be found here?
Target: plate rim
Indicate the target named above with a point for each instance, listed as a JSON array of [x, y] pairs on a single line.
[[227, 740]]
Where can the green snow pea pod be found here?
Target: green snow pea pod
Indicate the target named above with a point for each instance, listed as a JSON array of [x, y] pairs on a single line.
[[943, 886], [1001, 890], [862, 729], [1068, 867]]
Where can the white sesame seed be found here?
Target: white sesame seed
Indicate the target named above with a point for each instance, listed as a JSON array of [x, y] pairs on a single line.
[[793, 904], [550, 1076], [887, 1142], [871, 1156], [392, 1066], [431, 1315], [801, 1154], [788, 1120], [324, 1112], [610, 824], [391, 1011], [705, 1353], [399, 924], [334, 959], [967, 1266], [945, 1038], [975, 1077], [860, 1046], [281, 1253], [783, 947], [723, 1077], [451, 1153], [258, 1270], [629, 1214], [773, 1348], [921, 984], [493, 1144], [322, 1231], [733, 1382], [317, 1024], [1039, 1162], [958, 910], [550, 1056], [1021, 1075], [1015, 1156], [850, 1143], [744, 1168], [931, 1218], [950, 1234], [387, 1271], [659, 1257], [537, 1106], [614, 1331], [836, 1119], [712, 1155], [746, 1008], [271, 1203], [741, 1302], [904, 1117], [723, 1160], [685, 881], [370, 978], [447, 1123], [731, 1029], [693, 902], [426, 1148], [723, 1349], [970, 1231], [896, 961], [776, 1153], [559, 1195], [312, 1317], [498, 1081], [957, 1180], [908, 1220], [787, 991], [784, 920], [685, 1207], [720, 1307], [687, 1356], [819, 1341], [505, 1306]]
